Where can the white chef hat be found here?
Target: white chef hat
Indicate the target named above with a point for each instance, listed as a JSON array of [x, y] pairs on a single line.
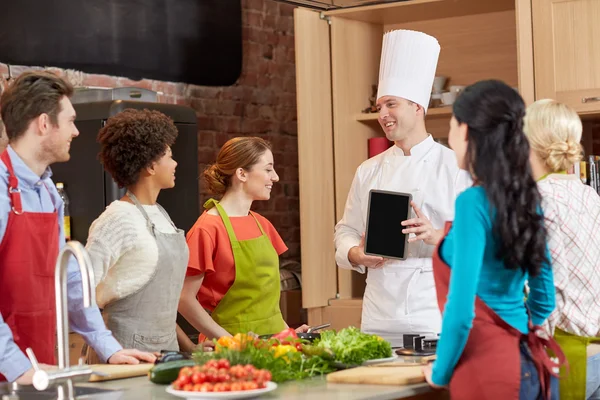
[[407, 67]]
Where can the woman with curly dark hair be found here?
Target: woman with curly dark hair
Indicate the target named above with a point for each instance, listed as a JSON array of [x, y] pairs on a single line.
[[138, 255], [489, 348]]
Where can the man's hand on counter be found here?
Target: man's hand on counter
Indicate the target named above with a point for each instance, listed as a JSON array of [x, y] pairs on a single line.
[[422, 228], [27, 377], [357, 256], [131, 356]]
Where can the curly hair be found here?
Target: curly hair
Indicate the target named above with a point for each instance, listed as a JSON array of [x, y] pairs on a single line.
[[132, 140], [498, 156]]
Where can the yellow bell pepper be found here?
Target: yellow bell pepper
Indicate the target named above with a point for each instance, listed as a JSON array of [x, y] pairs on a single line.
[[283, 350]]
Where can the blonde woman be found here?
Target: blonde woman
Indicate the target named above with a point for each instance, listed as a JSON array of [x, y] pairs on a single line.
[[572, 213]]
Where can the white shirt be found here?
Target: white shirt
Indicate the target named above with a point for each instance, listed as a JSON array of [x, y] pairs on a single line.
[[123, 252], [572, 215], [430, 173]]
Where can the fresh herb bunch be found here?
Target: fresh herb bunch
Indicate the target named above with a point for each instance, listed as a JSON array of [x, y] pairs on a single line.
[[352, 347], [292, 366]]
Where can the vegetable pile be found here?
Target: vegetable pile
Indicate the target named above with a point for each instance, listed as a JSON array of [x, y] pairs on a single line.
[[286, 358], [242, 359], [352, 347]]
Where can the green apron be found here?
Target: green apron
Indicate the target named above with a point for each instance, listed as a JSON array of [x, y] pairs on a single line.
[[572, 386], [252, 302]]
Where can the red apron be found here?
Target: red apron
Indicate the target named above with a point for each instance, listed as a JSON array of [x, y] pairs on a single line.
[[490, 364], [28, 255]]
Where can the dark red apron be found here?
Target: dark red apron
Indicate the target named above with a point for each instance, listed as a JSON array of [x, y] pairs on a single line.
[[490, 364], [28, 255]]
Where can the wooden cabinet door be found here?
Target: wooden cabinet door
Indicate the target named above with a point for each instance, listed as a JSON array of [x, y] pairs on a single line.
[[315, 158], [566, 43]]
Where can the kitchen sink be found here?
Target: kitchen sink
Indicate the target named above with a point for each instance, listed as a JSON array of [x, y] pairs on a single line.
[[19, 392]]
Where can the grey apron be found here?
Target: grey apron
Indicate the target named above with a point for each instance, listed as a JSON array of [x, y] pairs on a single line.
[[146, 320]]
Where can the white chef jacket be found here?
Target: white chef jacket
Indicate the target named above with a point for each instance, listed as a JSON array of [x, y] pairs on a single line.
[[400, 296]]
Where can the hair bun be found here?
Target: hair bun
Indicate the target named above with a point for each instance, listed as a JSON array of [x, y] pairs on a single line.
[[562, 155], [215, 179]]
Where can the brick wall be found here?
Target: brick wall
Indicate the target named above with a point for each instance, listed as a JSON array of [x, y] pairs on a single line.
[[261, 103]]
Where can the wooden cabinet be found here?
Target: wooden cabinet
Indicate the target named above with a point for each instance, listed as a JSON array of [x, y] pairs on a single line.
[[337, 63], [567, 52]]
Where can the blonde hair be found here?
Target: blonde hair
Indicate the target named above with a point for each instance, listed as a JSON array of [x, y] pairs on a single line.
[[240, 152], [554, 132]]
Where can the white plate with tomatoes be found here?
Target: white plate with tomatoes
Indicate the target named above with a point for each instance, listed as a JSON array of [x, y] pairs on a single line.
[[237, 394], [217, 379]]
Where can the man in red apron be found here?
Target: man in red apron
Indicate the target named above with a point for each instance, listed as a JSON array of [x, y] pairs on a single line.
[[40, 124]]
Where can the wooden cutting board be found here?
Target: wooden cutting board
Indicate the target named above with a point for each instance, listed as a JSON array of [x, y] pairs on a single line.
[[379, 376], [118, 371]]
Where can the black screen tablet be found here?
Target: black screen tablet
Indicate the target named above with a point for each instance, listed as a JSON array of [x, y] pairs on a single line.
[[384, 236]]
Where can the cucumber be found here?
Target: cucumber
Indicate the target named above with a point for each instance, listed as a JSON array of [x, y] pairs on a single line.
[[168, 372]]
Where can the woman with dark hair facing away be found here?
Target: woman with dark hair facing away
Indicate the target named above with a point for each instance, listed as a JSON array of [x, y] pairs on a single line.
[[488, 347], [138, 255], [232, 284]]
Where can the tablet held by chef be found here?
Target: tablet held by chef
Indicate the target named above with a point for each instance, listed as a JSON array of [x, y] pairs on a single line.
[[387, 211]]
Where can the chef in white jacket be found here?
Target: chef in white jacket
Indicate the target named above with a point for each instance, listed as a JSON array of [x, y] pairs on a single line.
[[400, 295]]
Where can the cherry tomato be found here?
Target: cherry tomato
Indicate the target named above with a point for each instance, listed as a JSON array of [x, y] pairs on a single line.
[[206, 387], [250, 385], [197, 387], [236, 386], [241, 373], [176, 385], [218, 387], [189, 387], [198, 377], [183, 380], [226, 386], [212, 364], [186, 371], [223, 363], [267, 375]]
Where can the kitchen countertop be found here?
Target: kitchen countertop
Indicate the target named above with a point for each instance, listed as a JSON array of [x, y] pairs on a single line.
[[314, 388]]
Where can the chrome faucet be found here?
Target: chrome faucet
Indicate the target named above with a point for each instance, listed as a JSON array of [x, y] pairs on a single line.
[[64, 377]]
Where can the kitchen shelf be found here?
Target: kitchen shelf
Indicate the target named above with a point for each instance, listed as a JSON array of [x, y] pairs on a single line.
[[438, 112]]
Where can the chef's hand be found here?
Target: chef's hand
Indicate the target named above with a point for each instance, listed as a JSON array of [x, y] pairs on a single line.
[[27, 377], [422, 228], [427, 370], [357, 255], [131, 356], [302, 329]]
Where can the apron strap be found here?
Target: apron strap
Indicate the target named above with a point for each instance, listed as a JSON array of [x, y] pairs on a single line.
[[149, 222], [226, 221], [164, 212], [258, 223], [13, 185]]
